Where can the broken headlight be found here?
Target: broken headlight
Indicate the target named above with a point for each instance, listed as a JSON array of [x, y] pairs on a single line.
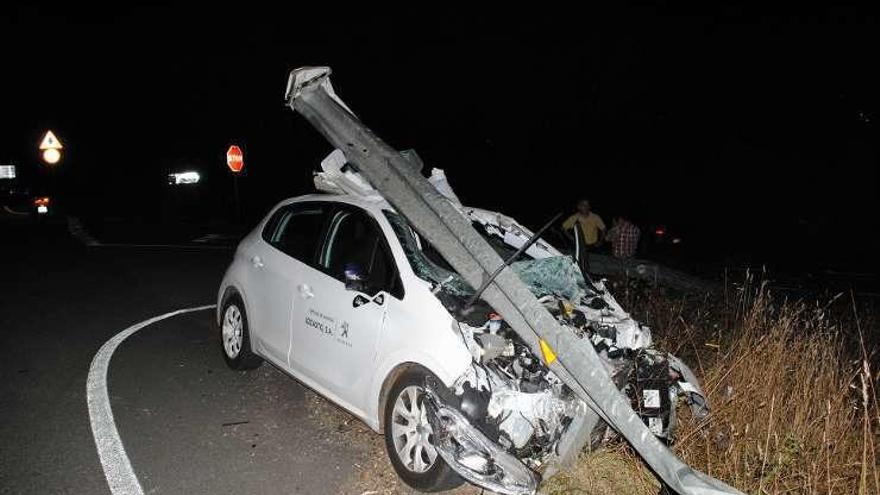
[[474, 456]]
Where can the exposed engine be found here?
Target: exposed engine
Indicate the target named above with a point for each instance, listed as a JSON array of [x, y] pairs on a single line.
[[517, 403], [513, 401]]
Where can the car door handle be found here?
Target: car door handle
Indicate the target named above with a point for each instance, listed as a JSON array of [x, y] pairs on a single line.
[[257, 261], [305, 291]]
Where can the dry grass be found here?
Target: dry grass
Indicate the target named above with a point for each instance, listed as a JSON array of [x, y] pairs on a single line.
[[794, 403], [608, 470], [792, 389]]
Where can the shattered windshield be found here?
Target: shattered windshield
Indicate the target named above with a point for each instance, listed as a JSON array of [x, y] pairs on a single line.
[[556, 275], [424, 267]]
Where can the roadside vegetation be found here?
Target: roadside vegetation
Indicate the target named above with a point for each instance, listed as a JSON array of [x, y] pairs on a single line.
[[792, 386]]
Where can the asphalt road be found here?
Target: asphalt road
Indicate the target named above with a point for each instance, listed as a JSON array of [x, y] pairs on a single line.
[[189, 424]]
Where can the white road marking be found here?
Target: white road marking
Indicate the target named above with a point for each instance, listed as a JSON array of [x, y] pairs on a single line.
[[13, 212], [195, 247], [117, 468]]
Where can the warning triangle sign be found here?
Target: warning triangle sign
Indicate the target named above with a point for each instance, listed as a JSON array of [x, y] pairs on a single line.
[[50, 142]]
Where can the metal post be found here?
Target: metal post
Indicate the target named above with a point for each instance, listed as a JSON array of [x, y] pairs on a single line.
[[237, 199]]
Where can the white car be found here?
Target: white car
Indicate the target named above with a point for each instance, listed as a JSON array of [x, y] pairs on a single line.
[[340, 292]]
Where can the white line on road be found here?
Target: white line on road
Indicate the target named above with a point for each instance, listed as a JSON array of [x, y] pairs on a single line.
[[117, 468], [194, 247], [13, 212]]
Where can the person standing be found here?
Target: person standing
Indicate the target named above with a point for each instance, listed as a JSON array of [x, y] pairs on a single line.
[[624, 237], [589, 229]]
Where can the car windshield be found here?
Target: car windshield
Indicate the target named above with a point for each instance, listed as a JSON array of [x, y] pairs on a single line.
[[555, 275], [424, 267]]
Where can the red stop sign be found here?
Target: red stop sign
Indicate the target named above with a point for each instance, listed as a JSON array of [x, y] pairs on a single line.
[[235, 159]]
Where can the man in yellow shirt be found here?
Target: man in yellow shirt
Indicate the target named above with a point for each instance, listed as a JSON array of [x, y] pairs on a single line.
[[591, 230]]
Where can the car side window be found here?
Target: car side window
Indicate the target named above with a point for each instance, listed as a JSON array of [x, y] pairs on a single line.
[[355, 243], [296, 230]]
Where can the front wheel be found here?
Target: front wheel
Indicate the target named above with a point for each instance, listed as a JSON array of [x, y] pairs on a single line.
[[235, 338], [409, 437]]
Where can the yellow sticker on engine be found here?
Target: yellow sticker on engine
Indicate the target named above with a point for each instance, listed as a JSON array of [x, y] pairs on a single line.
[[549, 355]]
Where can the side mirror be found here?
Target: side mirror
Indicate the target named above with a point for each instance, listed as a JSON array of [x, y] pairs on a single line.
[[355, 279]]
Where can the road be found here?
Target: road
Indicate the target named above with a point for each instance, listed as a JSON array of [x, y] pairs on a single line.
[[188, 423]]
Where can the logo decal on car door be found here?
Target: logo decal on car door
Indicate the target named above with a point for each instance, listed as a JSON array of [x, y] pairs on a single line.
[[329, 326]]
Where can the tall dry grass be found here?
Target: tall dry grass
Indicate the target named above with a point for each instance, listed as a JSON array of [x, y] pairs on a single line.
[[794, 408], [792, 390]]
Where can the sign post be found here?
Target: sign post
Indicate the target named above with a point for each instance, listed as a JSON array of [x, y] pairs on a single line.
[[235, 162], [51, 147]]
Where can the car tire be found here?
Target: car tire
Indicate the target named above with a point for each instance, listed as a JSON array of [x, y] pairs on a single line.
[[235, 338], [429, 475]]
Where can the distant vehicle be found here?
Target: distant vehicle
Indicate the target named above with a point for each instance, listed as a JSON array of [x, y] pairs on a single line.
[[41, 204], [340, 292]]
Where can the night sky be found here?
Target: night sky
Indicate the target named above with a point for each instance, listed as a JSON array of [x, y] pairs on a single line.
[[753, 135]]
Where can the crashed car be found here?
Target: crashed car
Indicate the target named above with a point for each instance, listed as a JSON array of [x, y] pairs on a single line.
[[340, 291]]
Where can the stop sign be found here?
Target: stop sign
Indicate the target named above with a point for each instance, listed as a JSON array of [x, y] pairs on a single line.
[[235, 159]]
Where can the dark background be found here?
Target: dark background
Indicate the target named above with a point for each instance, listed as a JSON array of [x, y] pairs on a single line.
[[752, 135]]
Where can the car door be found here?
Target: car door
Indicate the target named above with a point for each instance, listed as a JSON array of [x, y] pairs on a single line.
[[283, 262], [338, 322]]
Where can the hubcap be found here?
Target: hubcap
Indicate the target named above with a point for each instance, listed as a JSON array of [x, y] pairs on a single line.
[[232, 331], [411, 431]]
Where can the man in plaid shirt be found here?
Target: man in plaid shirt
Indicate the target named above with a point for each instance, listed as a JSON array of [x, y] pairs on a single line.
[[624, 237]]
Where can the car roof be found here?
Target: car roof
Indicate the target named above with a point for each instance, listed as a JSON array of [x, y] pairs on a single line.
[[369, 205]]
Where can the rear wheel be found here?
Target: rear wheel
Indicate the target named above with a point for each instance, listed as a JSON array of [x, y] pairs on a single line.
[[235, 338], [409, 437]]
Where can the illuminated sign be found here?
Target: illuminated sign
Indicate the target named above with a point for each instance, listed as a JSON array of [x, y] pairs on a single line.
[[51, 148], [51, 156], [179, 178], [7, 171], [50, 142], [235, 159]]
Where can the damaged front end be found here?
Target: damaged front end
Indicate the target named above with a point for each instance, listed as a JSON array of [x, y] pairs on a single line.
[[515, 400], [508, 414]]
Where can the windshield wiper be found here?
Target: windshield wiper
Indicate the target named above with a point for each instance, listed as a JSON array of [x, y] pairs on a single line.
[[511, 259]]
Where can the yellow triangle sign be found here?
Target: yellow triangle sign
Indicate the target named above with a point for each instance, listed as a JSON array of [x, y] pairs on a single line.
[[50, 142]]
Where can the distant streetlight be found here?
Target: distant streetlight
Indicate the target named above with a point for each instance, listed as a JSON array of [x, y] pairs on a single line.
[[51, 147]]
